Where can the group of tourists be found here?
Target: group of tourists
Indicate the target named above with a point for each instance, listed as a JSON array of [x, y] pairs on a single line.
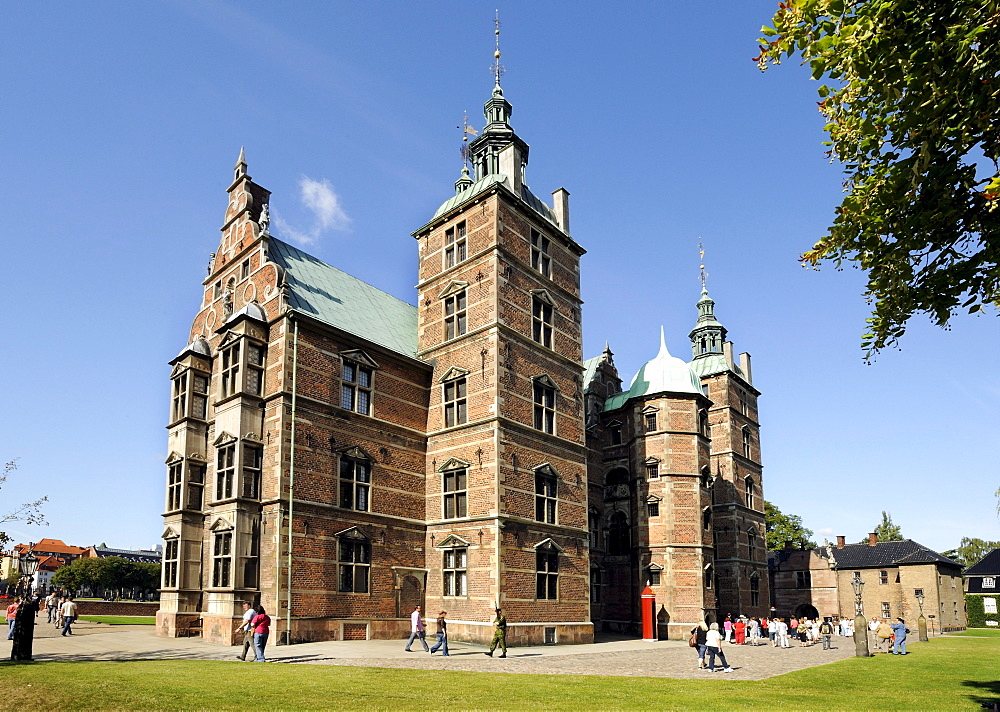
[[418, 632], [22, 612], [889, 634]]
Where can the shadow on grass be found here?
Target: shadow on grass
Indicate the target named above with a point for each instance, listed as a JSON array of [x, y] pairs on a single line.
[[991, 688]]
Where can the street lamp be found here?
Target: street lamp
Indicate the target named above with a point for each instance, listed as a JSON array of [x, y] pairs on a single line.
[[27, 565], [921, 621], [860, 624]]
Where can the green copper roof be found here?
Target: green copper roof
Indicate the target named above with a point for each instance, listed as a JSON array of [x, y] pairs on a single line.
[[711, 364], [345, 302], [483, 185], [663, 374], [589, 371]]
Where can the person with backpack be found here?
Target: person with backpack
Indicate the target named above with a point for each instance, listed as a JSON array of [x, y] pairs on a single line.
[[826, 633]]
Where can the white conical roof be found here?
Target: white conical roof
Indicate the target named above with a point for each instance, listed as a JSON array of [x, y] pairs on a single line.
[[664, 373]]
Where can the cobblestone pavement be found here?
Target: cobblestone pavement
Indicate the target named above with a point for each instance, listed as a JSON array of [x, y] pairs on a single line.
[[623, 657]]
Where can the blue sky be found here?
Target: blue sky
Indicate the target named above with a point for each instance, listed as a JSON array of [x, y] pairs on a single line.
[[121, 123]]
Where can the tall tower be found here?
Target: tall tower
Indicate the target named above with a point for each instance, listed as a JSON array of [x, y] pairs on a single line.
[[740, 575], [499, 319]]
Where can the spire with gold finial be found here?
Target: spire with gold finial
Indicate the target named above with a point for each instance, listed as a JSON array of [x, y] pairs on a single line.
[[497, 68], [708, 334]]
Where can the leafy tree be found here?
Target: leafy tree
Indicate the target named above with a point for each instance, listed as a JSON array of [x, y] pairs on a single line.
[[911, 110], [83, 573], [887, 530], [782, 529], [969, 551], [29, 512]]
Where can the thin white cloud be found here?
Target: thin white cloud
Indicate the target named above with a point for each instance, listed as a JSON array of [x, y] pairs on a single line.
[[319, 198]]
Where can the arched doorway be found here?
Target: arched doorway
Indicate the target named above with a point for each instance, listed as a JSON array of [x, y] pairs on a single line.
[[806, 610]]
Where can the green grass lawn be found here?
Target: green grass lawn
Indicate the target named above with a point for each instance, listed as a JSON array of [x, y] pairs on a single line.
[[121, 620], [951, 673], [979, 633]]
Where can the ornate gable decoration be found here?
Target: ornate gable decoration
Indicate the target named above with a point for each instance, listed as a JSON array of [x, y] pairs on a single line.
[[546, 469], [614, 423], [543, 295], [452, 541], [178, 368], [651, 460], [355, 452], [173, 457], [221, 524], [545, 380], [548, 545], [452, 373], [650, 409], [453, 463], [653, 499], [224, 439], [170, 533], [352, 533], [359, 356], [653, 566], [453, 286]]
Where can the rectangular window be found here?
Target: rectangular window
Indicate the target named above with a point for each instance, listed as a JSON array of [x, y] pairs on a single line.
[[883, 577], [989, 582], [230, 369], [654, 577], [225, 472], [653, 509], [744, 404], [616, 435], [170, 557], [454, 403], [541, 262], [245, 269], [547, 575], [195, 487], [595, 585], [886, 610], [455, 572], [653, 471], [650, 422], [252, 465], [541, 322], [747, 442], [355, 483], [989, 605], [199, 396], [545, 407], [217, 290], [454, 245], [750, 491], [255, 370], [455, 315], [545, 498], [917, 592], [180, 392], [174, 485], [803, 579], [356, 388], [455, 495], [754, 591], [355, 562], [222, 560]]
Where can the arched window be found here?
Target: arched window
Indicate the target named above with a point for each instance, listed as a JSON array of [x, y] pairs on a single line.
[[619, 535]]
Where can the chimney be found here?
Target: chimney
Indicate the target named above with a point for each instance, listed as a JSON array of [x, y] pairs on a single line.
[[727, 350], [872, 539], [745, 367], [560, 206], [840, 542]]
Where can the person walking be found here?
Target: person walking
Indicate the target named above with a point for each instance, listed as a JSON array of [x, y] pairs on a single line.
[[51, 603], [248, 615], [826, 632], [884, 635], [727, 625], [713, 647], [700, 633], [261, 624], [442, 635], [417, 631], [499, 635], [899, 637], [781, 633], [68, 615], [11, 614]]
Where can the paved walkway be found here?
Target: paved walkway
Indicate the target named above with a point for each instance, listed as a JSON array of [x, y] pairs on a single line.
[[625, 657]]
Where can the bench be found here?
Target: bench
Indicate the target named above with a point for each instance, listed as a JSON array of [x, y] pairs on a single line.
[[192, 628]]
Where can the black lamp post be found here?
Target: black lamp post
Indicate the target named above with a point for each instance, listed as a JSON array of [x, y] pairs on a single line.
[[27, 565], [860, 624], [921, 621]]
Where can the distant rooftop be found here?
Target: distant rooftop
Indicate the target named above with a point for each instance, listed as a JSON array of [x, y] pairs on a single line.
[[887, 553]]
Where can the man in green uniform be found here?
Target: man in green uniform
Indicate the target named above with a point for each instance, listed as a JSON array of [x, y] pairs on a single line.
[[499, 635]]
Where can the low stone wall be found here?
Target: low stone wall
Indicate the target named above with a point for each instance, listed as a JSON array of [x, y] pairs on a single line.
[[116, 608]]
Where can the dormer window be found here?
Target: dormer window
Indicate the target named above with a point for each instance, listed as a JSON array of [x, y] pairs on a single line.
[[454, 245]]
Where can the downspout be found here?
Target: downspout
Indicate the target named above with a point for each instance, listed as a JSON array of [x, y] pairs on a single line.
[[291, 483]]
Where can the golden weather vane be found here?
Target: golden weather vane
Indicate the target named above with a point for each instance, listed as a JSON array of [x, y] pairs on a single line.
[[701, 264], [466, 132]]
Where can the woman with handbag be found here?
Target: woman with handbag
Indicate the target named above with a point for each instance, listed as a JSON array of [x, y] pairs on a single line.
[[261, 626], [697, 641]]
